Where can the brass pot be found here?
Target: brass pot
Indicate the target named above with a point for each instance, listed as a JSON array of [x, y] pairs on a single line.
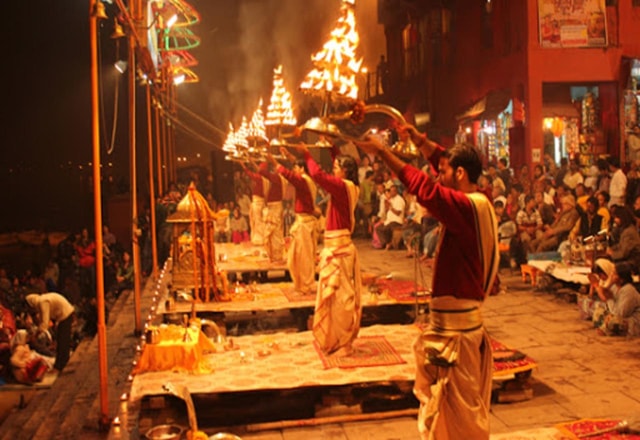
[[165, 432]]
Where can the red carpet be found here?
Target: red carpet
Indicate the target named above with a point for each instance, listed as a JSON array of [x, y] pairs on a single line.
[[368, 351], [597, 429], [401, 291], [509, 361]]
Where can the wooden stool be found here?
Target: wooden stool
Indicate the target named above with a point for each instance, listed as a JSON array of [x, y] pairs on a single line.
[[526, 269]]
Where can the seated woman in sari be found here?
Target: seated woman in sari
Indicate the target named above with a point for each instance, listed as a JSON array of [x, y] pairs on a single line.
[[619, 315], [600, 277]]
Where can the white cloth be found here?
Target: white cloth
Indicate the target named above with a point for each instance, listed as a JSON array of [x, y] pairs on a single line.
[[617, 188], [52, 306], [397, 203]]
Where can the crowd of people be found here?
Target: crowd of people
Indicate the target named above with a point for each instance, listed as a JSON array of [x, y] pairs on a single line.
[[49, 308]]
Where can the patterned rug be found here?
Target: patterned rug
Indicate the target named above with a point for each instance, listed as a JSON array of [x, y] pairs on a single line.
[[401, 291], [368, 351], [508, 361], [597, 429]]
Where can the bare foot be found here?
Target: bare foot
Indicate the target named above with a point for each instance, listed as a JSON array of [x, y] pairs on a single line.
[[345, 351]]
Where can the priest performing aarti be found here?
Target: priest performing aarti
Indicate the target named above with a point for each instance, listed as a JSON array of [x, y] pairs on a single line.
[[338, 309], [453, 354], [301, 255]]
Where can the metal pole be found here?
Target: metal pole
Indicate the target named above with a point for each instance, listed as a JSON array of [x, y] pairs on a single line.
[[156, 112], [97, 212], [133, 178], [152, 194]]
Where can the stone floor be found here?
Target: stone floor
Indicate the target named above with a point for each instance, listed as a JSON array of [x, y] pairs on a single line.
[[579, 374]]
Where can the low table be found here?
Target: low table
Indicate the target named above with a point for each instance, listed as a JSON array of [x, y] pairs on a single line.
[[569, 273]]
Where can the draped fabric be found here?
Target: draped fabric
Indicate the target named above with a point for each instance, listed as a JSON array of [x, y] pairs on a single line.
[[273, 233], [336, 321], [301, 257], [256, 220], [453, 377]]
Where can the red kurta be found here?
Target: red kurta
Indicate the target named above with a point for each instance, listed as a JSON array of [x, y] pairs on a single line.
[[461, 269], [275, 189], [339, 215], [257, 184], [305, 203]]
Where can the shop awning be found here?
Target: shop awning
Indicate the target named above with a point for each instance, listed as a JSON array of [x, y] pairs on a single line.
[[488, 107], [559, 110]]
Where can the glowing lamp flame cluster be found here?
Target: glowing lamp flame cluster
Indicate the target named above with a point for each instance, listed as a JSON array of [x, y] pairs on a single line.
[[280, 109], [336, 65], [257, 130]]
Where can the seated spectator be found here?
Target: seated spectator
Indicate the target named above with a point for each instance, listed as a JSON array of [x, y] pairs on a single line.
[[239, 227], [124, 274], [529, 224], [392, 215], [412, 227], [28, 366], [619, 312], [559, 231], [222, 232], [599, 278], [603, 208], [627, 246], [589, 223]]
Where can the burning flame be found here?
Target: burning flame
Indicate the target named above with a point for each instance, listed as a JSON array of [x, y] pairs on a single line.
[[280, 109], [229, 142], [335, 65], [256, 126], [240, 136]]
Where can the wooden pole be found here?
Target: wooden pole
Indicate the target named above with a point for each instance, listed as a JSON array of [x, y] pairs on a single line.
[[133, 175], [152, 193], [97, 212]]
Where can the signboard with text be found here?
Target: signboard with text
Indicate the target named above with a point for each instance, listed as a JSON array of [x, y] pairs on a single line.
[[572, 23]]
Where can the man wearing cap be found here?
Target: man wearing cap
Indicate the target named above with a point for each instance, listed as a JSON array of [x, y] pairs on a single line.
[[392, 209], [55, 307], [453, 354]]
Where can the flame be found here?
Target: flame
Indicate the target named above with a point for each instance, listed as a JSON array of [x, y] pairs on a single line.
[[256, 126], [336, 65], [280, 109], [229, 143], [240, 136]]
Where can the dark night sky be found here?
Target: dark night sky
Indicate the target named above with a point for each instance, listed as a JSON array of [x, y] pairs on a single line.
[[47, 120]]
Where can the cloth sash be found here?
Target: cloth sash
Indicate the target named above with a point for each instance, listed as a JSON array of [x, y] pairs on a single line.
[[313, 189], [353, 192], [338, 310], [487, 227]]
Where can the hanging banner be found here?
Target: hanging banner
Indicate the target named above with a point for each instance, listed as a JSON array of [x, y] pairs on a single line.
[[572, 23]]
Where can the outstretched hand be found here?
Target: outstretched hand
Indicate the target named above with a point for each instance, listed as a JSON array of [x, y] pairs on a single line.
[[369, 145], [300, 148]]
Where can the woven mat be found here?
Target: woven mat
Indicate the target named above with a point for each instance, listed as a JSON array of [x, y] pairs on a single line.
[[401, 291], [368, 351], [509, 361]]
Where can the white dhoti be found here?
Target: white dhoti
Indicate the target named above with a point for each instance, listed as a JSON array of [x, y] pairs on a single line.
[[301, 258], [256, 220], [336, 321], [454, 372], [273, 233]]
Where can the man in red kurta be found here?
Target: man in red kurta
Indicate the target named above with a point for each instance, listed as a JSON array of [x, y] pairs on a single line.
[[273, 231], [453, 354], [301, 256], [338, 310], [259, 187]]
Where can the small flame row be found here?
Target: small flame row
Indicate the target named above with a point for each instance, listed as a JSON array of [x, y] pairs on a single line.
[[250, 134]]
